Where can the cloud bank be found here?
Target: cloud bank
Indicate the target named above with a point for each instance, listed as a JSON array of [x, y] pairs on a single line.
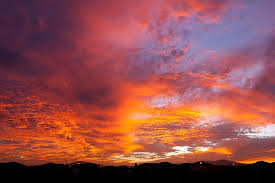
[[134, 81]]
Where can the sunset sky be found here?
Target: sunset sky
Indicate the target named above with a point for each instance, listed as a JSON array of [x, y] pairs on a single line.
[[124, 81]]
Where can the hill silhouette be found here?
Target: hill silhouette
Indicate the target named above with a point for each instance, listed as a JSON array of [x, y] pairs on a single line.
[[225, 162], [212, 171]]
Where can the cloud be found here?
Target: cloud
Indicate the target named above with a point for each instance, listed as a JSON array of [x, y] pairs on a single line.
[[178, 150], [123, 81], [259, 132], [7, 142], [206, 11]]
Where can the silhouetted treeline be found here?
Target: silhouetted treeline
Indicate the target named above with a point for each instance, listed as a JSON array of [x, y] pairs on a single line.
[[147, 172]]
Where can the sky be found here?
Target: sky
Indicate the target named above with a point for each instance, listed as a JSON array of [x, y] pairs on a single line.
[[125, 81]]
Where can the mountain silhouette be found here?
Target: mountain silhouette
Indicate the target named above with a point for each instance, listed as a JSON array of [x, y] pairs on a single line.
[[201, 171], [225, 162], [11, 165]]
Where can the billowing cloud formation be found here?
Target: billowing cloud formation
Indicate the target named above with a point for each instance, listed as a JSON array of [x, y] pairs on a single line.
[[125, 81]]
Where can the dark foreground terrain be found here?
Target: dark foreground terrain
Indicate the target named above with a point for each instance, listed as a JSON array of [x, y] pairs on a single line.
[[217, 171]]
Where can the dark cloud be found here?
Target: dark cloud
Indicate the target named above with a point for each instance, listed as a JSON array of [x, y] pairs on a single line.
[[8, 142], [224, 130], [14, 62], [98, 97], [254, 148], [3, 115]]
